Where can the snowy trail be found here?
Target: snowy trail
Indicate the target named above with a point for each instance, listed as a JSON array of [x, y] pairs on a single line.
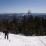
[[19, 40], [43, 40]]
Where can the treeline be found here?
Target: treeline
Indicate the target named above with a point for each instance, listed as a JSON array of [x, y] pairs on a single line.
[[28, 25]]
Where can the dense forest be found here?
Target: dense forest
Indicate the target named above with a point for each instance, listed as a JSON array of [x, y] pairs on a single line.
[[28, 25]]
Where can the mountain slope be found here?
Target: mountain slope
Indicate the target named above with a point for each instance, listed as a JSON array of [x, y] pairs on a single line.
[[20, 40]]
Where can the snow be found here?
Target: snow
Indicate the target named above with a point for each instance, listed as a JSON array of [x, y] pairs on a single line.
[[21, 40]]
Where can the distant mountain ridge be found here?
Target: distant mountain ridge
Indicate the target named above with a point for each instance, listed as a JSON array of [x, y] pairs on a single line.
[[19, 15]]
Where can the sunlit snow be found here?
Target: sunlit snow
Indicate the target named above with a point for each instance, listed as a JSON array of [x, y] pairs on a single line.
[[21, 40]]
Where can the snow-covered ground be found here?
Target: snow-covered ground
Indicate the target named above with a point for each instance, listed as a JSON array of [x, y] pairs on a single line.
[[20, 40]]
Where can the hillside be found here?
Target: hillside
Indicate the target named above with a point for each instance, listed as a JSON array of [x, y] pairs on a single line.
[[20, 40]]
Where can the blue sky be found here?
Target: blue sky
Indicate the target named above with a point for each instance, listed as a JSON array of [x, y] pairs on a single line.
[[22, 6]]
